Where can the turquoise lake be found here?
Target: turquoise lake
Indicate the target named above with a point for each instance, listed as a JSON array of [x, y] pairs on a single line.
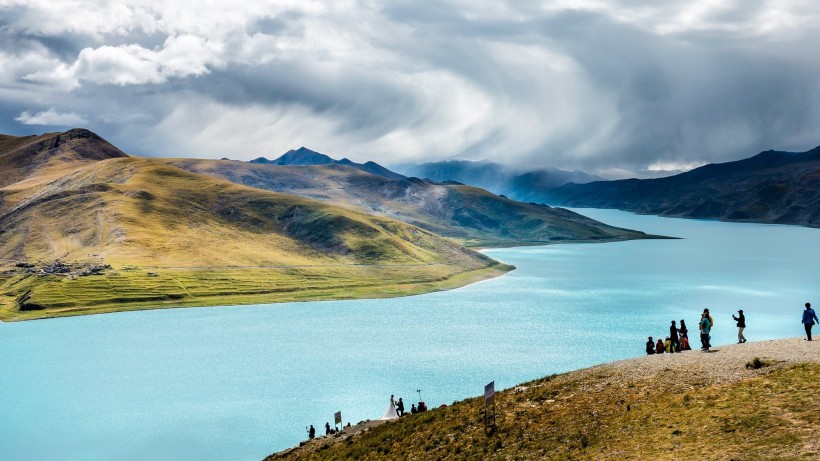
[[238, 383]]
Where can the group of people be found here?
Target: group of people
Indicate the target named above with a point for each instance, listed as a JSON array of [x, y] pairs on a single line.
[[678, 339], [399, 405], [328, 430]]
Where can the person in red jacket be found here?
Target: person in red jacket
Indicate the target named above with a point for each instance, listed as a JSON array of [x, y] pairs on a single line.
[[660, 348]]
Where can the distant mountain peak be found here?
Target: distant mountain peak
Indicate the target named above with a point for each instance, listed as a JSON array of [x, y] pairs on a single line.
[[304, 157]]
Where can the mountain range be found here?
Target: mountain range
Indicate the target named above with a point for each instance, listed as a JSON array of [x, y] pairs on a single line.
[[771, 187]]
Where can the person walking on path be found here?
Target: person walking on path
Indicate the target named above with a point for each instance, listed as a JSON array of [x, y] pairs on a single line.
[[705, 328], [741, 324], [809, 319], [673, 336]]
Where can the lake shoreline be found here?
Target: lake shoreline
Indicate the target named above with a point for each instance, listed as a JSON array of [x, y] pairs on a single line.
[[452, 281]]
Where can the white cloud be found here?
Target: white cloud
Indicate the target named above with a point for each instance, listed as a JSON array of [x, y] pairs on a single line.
[[51, 117], [609, 85]]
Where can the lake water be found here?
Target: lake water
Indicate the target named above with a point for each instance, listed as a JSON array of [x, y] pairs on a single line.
[[241, 382]]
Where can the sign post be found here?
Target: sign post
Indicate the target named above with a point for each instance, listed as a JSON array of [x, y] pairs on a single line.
[[489, 398], [337, 419]]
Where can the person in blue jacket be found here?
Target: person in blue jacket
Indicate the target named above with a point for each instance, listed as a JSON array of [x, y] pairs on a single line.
[[705, 329], [809, 319]]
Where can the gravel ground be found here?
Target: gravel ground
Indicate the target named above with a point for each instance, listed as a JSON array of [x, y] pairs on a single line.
[[721, 365]]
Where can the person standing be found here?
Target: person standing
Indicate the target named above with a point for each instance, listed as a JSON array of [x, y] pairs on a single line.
[[683, 332], [741, 324], [705, 328], [809, 319], [673, 336], [400, 408], [311, 432]]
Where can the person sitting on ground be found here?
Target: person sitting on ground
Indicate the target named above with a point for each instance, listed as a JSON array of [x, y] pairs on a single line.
[[650, 346], [422, 407], [660, 347], [413, 410], [809, 319], [667, 345], [684, 345]]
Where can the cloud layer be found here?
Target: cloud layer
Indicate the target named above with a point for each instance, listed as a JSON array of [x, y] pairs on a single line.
[[618, 86]]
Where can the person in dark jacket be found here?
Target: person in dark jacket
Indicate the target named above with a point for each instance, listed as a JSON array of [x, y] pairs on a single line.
[[650, 346], [741, 324], [673, 336], [683, 333], [809, 319], [311, 432], [400, 407]]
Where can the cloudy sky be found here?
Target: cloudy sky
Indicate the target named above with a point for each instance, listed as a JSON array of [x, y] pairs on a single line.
[[607, 86]]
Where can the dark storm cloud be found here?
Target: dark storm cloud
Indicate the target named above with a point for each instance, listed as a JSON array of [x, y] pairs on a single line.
[[603, 86]]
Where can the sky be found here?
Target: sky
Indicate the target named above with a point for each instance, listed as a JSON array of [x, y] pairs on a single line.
[[611, 87]]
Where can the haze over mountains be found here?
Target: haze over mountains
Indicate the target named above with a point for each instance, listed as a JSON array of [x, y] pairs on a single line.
[[471, 214], [526, 186], [771, 187]]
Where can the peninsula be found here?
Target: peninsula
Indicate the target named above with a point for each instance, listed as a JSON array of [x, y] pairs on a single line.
[[85, 228]]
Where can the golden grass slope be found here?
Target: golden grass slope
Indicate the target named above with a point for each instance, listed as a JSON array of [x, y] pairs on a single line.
[[470, 214]]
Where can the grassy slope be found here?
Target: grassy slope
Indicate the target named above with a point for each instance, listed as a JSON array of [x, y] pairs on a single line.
[[472, 215], [666, 416], [260, 246]]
